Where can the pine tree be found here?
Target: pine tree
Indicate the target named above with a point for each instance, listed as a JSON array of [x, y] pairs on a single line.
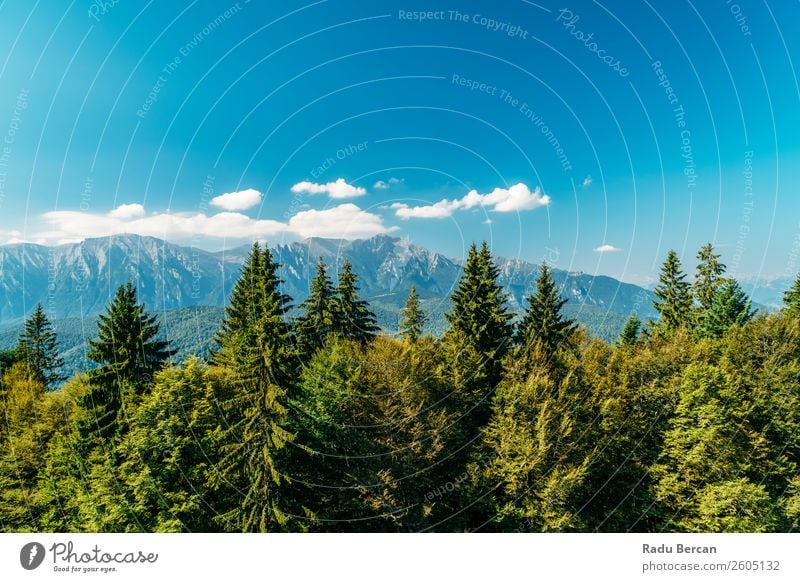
[[630, 333], [412, 318], [319, 311], [674, 300], [354, 320], [709, 276], [479, 317], [542, 321], [241, 313], [730, 307], [257, 353], [129, 353], [38, 348], [791, 299], [127, 340]]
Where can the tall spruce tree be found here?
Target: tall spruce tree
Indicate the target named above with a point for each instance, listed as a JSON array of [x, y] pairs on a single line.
[[319, 312], [241, 312], [791, 299], [674, 300], [630, 333], [542, 321], [129, 351], [354, 320], [38, 348], [412, 318], [255, 347], [479, 317], [127, 339], [730, 307], [708, 277]]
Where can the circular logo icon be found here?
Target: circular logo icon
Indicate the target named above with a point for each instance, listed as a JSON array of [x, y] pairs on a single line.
[[31, 555]]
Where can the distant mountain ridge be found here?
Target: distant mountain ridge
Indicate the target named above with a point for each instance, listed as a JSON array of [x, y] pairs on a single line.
[[77, 280], [188, 287]]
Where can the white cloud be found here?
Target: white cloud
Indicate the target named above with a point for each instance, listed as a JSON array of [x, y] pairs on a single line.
[[337, 190], [15, 237], [606, 248], [343, 221], [70, 225], [381, 185], [441, 209], [124, 211], [234, 201], [587, 181], [514, 199]]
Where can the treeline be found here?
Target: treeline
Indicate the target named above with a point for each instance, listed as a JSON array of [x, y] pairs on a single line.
[[321, 423]]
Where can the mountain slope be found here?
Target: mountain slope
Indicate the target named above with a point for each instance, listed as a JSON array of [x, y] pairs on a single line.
[[187, 287], [77, 280]]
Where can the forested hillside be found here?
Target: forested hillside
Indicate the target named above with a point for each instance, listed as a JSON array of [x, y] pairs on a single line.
[[304, 417]]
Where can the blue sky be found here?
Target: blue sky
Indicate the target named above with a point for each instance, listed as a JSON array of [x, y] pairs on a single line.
[[595, 135]]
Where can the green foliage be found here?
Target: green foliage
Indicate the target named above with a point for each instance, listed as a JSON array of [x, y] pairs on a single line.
[[674, 299], [542, 322], [416, 436], [791, 299], [126, 344], [539, 449], [708, 277], [31, 418], [479, 333], [730, 307], [170, 451], [630, 333], [129, 353], [353, 318], [317, 321], [412, 318], [256, 347], [702, 478], [7, 359], [330, 458], [37, 347], [692, 428]]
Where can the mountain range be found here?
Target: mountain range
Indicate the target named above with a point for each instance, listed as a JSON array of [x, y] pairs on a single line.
[[188, 286]]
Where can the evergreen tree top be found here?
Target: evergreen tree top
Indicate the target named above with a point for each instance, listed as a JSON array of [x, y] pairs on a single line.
[[674, 299], [791, 299], [731, 307], [630, 333], [353, 318], [542, 321], [709, 275], [412, 318], [127, 338], [38, 348]]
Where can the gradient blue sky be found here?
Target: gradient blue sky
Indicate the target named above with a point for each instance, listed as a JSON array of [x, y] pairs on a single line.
[[96, 112]]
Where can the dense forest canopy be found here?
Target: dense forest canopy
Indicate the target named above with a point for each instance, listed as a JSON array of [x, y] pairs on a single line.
[[321, 422]]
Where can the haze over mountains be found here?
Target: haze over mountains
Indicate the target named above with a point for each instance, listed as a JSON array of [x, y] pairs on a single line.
[[188, 287], [77, 280]]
